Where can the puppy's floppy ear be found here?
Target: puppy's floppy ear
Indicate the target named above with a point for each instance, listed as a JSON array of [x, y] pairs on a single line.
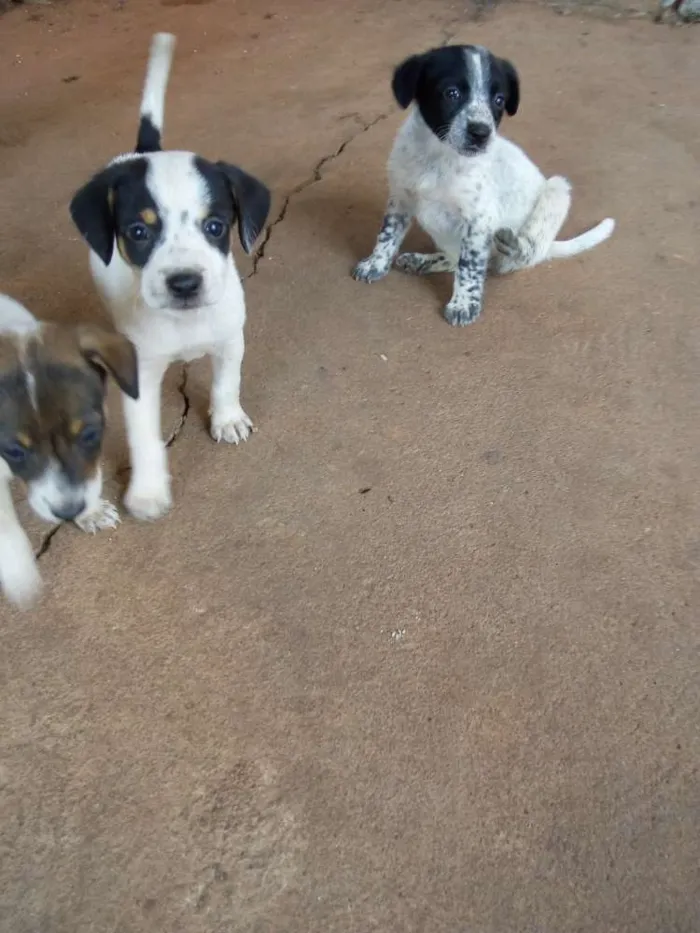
[[252, 200], [405, 81], [112, 353], [91, 212], [512, 86]]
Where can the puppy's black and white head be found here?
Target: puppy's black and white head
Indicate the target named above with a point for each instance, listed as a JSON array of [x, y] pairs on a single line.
[[170, 216], [461, 91]]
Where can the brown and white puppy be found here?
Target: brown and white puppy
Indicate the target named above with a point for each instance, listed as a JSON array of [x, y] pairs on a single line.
[[52, 418]]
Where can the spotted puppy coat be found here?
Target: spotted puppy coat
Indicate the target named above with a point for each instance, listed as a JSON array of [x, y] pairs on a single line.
[[479, 197], [160, 225]]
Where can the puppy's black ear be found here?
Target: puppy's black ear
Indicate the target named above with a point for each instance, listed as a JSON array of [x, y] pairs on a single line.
[[113, 354], [512, 87], [252, 199], [91, 211], [405, 80]]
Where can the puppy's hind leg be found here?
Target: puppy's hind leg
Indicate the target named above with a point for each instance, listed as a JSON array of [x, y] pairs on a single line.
[[397, 220], [228, 420], [424, 263], [520, 249]]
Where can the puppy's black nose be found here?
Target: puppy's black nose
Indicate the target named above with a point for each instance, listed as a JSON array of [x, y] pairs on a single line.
[[479, 131], [184, 284], [69, 511]]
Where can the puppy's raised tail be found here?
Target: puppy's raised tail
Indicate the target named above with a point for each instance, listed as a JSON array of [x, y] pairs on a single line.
[[562, 249], [153, 98]]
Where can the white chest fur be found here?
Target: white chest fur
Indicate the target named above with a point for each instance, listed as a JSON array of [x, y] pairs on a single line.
[[447, 190]]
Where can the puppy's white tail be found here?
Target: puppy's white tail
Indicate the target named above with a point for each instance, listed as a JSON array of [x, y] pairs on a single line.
[[153, 99], [562, 249]]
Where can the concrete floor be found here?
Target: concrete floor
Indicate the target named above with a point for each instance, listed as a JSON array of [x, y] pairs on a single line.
[[423, 655]]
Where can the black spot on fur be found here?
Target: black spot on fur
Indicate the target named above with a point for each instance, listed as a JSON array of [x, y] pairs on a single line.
[[110, 204], [149, 137], [235, 195]]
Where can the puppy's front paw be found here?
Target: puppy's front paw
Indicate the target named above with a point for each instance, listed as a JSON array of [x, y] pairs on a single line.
[[104, 515], [369, 270], [231, 426], [459, 315], [21, 581], [148, 501]]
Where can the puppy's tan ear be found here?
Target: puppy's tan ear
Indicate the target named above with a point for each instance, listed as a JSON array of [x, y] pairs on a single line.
[[113, 354]]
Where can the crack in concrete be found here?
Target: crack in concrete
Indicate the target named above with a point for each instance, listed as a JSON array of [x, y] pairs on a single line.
[[314, 178], [46, 542], [182, 389]]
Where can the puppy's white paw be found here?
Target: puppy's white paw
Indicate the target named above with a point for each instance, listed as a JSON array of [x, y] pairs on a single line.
[[104, 515], [369, 270], [148, 501], [459, 315], [21, 581], [231, 426]]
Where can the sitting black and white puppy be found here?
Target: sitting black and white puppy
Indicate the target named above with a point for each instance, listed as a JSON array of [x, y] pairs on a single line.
[[159, 225], [52, 419], [478, 196]]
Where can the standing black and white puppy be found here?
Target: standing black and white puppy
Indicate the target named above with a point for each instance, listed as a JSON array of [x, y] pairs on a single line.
[[159, 225], [479, 197], [52, 420]]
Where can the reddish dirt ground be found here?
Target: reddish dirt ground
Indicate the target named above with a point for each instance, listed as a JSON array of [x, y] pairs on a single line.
[[423, 655]]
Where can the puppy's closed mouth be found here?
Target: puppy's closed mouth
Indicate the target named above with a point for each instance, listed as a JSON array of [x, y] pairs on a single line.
[[188, 304]]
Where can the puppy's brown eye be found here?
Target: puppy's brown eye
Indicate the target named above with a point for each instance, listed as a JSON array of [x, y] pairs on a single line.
[[452, 93], [90, 436], [214, 228], [138, 232], [14, 453], [499, 100]]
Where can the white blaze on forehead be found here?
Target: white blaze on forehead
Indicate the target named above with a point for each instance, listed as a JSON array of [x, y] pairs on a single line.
[[30, 383], [15, 319], [178, 188], [479, 73]]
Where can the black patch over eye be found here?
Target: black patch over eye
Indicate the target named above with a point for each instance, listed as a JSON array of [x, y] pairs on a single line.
[[214, 228], [500, 101], [138, 233], [452, 93], [90, 436], [15, 453]]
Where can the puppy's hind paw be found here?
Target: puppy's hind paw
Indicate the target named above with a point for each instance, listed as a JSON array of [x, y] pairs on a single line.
[[507, 243], [104, 515], [232, 427], [410, 263], [514, 251], [368, 271]]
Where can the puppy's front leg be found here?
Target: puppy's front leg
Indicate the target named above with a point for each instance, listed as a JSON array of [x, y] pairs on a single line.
[[228, 420], [148, 496], [99, 513], [470, 277], [397, 220], [19, 574]]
